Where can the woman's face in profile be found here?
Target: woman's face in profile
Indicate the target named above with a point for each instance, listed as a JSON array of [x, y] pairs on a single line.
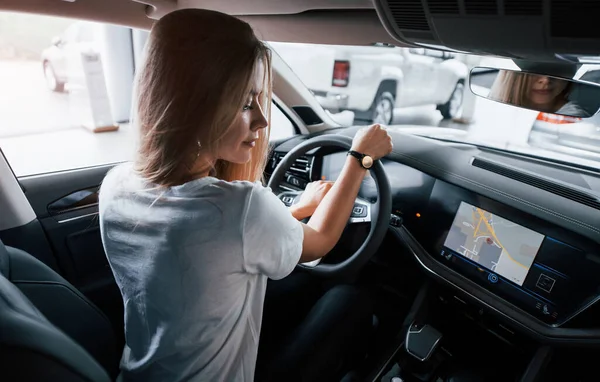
[[241, 139], [544, 91]]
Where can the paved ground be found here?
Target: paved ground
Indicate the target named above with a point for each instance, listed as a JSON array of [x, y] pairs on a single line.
[[26, 105]]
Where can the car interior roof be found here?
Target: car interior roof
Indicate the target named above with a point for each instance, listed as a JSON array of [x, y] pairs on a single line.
[[545, 30], [351, 22]]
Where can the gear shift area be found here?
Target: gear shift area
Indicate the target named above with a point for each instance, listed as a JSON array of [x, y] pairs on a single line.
[[421, 341]]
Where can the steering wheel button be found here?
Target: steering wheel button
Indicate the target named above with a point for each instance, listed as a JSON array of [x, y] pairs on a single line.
[[288, 200], [294, 181], [359, 211]]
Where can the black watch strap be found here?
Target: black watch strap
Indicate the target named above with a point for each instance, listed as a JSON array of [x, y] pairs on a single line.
[[359, 157], [356, 154]]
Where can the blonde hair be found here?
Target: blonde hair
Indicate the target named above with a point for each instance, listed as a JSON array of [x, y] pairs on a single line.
[[512, 87], [194, 82]]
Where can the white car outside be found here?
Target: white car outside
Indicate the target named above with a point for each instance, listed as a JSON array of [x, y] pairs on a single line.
[[62, 61], [373, 80]]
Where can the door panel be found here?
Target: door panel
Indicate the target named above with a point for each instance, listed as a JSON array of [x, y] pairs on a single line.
[[66, 206], [43, 190], [31, 239]]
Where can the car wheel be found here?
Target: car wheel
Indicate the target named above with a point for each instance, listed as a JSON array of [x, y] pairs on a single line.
[[453, 108], [51, 81], [383, 109]]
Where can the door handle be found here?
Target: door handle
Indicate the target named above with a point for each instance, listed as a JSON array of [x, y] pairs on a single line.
[[75, 201]]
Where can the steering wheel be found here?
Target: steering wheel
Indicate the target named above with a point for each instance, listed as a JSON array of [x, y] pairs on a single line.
[[376, 213]]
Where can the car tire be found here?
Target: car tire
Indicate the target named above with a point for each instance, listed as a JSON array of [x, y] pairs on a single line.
[[52, 82], [383, 108], [453, 108]]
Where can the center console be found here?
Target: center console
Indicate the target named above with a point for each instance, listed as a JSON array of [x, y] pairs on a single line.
[[547, 272], [443, 342]]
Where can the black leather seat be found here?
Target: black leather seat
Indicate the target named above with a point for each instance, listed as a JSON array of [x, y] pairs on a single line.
[[49, 331]]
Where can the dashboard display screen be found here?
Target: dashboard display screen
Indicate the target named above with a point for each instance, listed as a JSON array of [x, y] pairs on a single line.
[[493, 242], [332, 165]]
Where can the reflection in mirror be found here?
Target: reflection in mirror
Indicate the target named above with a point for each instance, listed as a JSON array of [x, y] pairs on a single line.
[[538, 92]]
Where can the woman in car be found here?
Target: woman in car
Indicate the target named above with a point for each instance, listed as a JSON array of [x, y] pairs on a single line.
[[192, 236], [537, 92]]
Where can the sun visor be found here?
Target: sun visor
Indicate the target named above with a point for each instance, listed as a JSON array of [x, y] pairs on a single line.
[[539, 30]]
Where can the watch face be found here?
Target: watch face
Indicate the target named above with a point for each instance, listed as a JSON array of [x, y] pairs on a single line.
[[367, 161]]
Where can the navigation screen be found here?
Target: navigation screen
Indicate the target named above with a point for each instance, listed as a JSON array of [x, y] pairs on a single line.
[[494, 242], [332, 165]]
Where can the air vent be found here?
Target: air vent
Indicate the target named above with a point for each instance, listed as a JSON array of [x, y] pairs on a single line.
[[535, 181], [481, 7], [574, 19], [523, 7], [443, 7], [409, 14], [300, 168]]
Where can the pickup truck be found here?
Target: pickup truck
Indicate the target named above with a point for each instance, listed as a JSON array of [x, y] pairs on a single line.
[[372, 81]]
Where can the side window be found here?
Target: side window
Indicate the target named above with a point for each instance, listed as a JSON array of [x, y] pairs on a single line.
[[86, 33], [281, 126], [59, 109], [62, 108], [70, 33]]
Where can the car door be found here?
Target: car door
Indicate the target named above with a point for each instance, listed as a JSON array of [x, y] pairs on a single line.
[[418, 77], [58, 166], [66, 236]]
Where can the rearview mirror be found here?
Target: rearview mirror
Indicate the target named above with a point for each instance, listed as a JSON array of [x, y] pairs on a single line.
[[540, 92]]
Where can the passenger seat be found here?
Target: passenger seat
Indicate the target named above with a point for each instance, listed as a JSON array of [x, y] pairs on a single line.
[[34, 303]]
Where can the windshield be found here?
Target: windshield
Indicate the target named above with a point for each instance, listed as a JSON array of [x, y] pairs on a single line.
[[426, 92]]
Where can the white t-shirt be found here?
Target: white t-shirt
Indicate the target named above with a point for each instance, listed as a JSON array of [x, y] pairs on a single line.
[[192, 263]]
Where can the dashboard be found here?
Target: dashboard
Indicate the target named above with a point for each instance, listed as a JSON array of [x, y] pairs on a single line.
[[547, 272], [516, 240]]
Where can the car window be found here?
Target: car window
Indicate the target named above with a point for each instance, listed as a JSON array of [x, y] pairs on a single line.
[[85, 33], [60, 109], [425, 91], [69, 34], [281, 126]]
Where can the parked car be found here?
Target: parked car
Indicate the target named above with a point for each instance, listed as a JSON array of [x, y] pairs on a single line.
[[373, 80], [62, 61], [574, 136], [569, 135]]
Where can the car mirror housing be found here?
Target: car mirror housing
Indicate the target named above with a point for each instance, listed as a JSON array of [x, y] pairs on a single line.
[[539, 91]]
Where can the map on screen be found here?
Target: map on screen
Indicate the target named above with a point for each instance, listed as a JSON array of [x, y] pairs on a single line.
[[493, 242]]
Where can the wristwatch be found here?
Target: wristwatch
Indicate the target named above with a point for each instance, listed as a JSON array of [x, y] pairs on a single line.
[[365, 160]]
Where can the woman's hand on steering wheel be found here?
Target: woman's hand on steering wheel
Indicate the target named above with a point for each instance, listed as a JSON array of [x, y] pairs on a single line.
[[310, 199], [374, 141]]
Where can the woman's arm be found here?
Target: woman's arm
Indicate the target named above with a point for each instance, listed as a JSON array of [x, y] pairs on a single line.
[[311, 198], [299, 212], [327, 223]]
